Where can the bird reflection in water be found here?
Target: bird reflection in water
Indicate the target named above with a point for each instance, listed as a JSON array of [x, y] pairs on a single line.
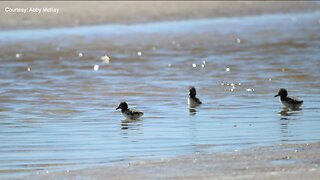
[[287, 116], [129, 124], [286, 113], [192, 111]]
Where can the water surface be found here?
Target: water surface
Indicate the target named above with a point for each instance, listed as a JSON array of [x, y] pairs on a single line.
[[58, 97]]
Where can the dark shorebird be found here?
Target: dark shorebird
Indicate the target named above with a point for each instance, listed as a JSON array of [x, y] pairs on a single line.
[[193, 101], [129, 113], [288, 102]]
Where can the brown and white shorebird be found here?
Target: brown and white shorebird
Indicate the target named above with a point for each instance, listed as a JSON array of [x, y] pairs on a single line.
[[193, 101], [129, 113], [289, 102]]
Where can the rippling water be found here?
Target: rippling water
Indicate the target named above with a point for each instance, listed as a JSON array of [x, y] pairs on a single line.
[[58, 97]]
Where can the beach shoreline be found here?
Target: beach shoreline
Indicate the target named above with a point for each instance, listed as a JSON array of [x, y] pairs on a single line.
[[283, 161], [33, 15]]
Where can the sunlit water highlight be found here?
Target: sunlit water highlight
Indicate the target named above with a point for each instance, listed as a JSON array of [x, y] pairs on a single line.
[[59, 90]]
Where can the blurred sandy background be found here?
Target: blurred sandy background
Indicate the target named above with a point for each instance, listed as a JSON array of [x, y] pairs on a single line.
[[75, 13]]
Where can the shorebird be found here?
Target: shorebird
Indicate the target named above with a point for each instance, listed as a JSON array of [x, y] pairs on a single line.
[[129, 113], [193, 101], [289, 102]]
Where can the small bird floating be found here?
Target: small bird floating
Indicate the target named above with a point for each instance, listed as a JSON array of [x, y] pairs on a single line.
[[289, 102], [129, 113], [193, 101]]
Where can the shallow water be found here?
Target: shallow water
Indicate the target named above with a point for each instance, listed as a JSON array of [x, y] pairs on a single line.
[[58, 98]]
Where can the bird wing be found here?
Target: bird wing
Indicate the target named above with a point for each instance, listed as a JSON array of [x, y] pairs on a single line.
[[294, 100], [198, 100], [135, 111]]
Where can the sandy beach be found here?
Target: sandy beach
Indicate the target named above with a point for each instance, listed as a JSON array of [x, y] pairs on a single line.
[[71, 14], [284, 161]]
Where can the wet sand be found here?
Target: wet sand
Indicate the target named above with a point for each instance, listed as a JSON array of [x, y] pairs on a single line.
[[287, 161], [93, 13]]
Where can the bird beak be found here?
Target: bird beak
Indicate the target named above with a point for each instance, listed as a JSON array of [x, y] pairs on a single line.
[[118, 108], [276, 95]]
